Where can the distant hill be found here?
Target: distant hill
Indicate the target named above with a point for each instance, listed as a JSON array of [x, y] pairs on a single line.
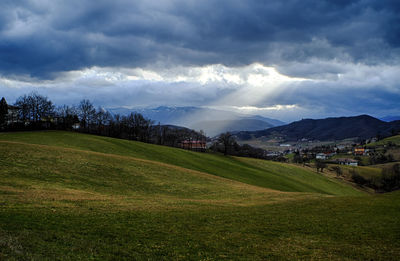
[[212, 121], [363, 126], [216, 127], [273, 122], [162, 114], [390, 118]]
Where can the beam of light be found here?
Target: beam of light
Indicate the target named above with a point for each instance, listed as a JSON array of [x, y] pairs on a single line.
[[261, 85]]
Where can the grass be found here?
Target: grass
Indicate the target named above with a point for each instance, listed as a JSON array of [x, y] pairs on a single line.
[[323, 229], [363, 160], [393, 139], [368, 172], [272, 176], [109, 199], [49, 173]]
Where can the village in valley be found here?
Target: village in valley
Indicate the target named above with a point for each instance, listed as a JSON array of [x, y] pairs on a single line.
[[343, 153], [367, 163], [368, 152]]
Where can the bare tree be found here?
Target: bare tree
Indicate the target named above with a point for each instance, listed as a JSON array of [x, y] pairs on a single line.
[[23, 105], [34, 107], [320, 165], [337, 170], [103, 118], [227, 140], [86, 112], [68, 116]]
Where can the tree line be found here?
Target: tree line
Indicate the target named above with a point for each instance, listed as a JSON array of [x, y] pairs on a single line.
[[388, 181], [37, 112], [227, 144]]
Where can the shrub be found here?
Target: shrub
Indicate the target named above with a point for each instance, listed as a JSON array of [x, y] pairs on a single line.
[[357, 178], [320, 165], [391, 178], [337, 170]]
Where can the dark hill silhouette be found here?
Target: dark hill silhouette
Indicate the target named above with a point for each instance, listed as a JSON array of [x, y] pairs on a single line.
[[363, 126]]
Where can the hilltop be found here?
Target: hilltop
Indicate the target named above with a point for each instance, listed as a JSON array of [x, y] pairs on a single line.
[[340, 128], [275, 175]]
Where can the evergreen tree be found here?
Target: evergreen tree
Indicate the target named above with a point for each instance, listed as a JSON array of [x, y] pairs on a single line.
[[3, 112]]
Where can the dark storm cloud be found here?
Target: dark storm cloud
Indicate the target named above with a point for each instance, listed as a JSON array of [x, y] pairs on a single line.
[[39, 38]]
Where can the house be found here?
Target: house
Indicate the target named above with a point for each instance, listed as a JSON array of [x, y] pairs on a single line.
[[340, 147], [325, 155], [76, 126], [321, 156], [359, 151], [346, 161], [272, 154], [372, 140], [12, 114], [196, 145]]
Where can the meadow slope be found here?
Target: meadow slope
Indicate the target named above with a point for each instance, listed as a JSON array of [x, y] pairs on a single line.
[[393, 139], [68, 196], [269, 174]]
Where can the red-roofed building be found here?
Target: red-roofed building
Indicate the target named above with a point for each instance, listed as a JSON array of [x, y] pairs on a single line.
[[196, 145], [359, 151]]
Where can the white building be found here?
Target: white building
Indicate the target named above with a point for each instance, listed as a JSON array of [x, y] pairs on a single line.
[[321, 156], [349, 162]]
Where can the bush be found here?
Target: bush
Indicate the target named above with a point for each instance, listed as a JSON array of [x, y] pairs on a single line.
[[391, 178], [337, 170], [357, 178], [320, 165]]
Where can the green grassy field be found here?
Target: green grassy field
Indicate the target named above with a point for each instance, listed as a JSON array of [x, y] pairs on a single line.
[[243, 170], [69, 196], [363, 160], [368, 172], [394, 139]]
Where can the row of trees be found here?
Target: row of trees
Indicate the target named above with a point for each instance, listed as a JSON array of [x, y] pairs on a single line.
[[34, 108], [226, 143], [34, 111]]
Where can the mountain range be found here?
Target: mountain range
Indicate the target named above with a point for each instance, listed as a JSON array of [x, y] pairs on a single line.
[[247, 127], [363, 127], [390, 118], [211, 121], [216, 127]]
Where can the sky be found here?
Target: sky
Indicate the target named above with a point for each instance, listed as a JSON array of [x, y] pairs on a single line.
[[287, 59]]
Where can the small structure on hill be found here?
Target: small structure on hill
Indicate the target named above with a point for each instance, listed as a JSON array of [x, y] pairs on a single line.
[[324, 155], [12, 114], [346, 161], [272, 153], [195, 145], [359, 151]]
